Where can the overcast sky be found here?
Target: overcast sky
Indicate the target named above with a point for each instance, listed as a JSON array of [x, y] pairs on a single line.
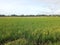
[[29, 6]]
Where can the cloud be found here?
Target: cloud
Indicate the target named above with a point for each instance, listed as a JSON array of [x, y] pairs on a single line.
[[50, 1], [29, 6]]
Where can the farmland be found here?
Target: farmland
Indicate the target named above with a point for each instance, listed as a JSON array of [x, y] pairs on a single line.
[[29, 30]]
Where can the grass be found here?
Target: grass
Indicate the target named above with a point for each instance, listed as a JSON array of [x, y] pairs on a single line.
[[30, 31]]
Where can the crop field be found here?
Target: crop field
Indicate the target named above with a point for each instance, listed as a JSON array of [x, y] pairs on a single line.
[[29, 30]]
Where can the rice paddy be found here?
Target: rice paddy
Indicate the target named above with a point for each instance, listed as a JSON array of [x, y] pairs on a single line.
[[29, 30]]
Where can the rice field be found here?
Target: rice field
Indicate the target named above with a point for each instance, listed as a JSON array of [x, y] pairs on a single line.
[[29, 30]]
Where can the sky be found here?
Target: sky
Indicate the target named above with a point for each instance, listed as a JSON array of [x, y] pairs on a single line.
[[29, 7]]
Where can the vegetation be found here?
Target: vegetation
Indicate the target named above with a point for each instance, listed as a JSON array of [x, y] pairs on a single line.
[[30, 31], [38, 15]]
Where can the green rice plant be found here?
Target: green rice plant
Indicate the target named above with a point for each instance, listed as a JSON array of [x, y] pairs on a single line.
[[34, 30]]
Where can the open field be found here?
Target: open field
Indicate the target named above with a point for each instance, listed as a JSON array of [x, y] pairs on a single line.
[[30, 31]]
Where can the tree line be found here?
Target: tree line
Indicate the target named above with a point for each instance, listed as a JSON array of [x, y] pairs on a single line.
[[38, 15]]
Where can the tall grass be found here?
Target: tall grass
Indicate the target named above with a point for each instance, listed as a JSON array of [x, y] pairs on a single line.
[[34, 31]]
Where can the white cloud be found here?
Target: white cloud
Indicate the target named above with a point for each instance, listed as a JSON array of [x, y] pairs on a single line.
[[29, 6]]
